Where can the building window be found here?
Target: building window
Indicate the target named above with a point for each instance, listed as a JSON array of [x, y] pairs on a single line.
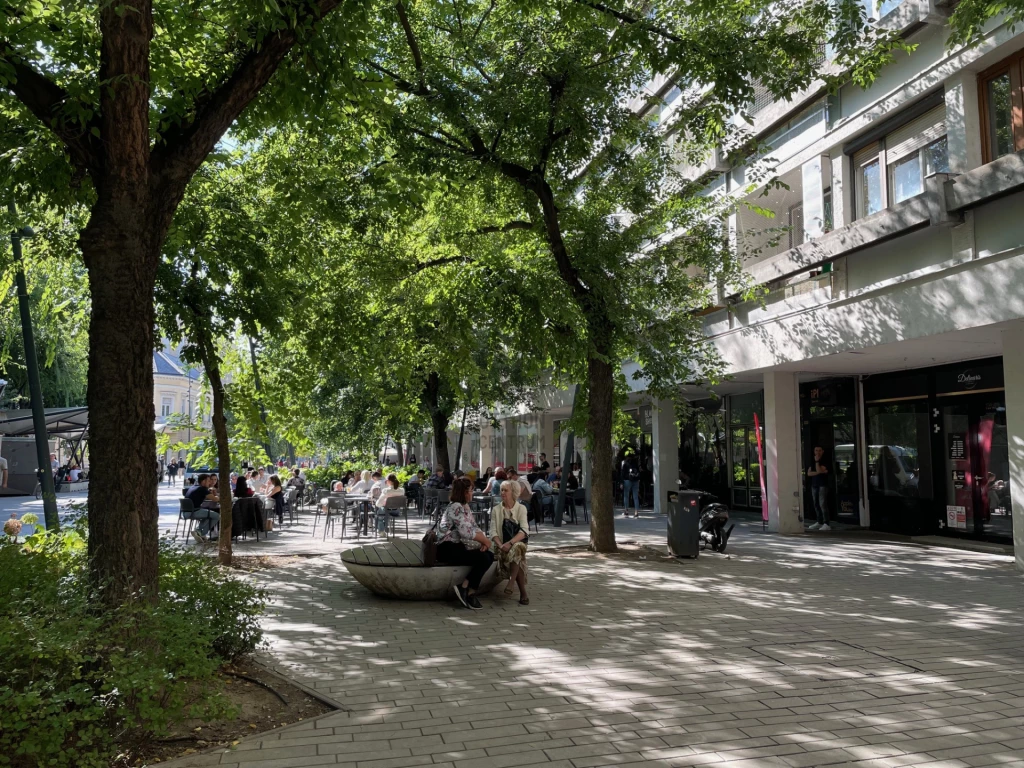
[[1002, 108], [909, 155], [166, 405]]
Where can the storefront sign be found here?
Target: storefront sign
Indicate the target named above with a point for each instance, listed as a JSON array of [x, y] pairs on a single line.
[[646, 418], [954, 380], [957, 446], [956, 517], [823, 393], [959, 479]]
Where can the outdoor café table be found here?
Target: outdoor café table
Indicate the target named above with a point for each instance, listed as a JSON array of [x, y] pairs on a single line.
[[365, 502]]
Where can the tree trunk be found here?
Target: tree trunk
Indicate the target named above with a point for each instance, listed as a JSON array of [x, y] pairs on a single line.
[[599, 422], [123, 532], [439, 421], [220, 432], [462, 434], [400, 459]]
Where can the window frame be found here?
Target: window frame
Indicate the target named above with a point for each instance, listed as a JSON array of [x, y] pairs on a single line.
[[1014, 66]]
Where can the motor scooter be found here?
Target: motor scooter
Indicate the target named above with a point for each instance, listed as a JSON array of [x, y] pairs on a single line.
[[713, 518]]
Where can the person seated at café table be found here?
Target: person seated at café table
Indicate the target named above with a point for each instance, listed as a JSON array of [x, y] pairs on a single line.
[[525, 491], [437, 479], [493, 487], [391, 488], [547, 498], [276, 493], [364, 485], [378, 484], [297, 482], [242, 488], [510, 523], [205, 507], [418, 479], [555, 477]]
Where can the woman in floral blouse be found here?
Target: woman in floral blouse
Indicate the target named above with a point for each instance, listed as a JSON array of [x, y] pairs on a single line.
[[463, 543]]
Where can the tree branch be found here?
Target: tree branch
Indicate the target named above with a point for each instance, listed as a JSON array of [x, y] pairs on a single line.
[[626, 18], [441, 262], [185, 148], [414, 47], [45, 99]]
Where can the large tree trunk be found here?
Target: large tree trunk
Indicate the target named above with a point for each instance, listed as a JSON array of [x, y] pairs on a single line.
[[220, 434], [439, 418], [123, 517], [439, 421], [599, 422]]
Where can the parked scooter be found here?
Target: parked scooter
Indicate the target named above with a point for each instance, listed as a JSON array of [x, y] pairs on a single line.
[[713, 518]]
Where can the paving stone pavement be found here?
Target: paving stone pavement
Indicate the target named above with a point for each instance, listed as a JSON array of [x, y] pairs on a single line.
[[789, 652]]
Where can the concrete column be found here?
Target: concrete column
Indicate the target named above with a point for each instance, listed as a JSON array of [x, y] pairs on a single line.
[[1013, 376], [782, 453], [486, 445], [665, 437], [963, 122], [546, 435], [840, 217], [511, 434]]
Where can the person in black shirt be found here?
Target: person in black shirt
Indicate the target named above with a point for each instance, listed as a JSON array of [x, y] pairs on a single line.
[[544, 466], [817, 471], [208, 516]]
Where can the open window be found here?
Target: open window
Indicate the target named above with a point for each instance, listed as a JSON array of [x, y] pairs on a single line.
[[1002, 108]]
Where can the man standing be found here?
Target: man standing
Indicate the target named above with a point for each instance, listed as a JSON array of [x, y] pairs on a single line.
[[818, 473], [543, 466]]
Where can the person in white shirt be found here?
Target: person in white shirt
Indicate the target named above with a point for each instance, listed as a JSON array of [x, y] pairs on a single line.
[[391, 489], [364, 485], [73, 474]]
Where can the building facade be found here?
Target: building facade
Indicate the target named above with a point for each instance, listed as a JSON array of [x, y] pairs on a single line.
[[891, 333], [179, 396]]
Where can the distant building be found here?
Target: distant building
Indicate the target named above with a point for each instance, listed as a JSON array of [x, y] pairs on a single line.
[[179, 393]]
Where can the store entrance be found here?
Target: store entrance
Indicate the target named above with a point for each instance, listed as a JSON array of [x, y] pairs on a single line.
[[975, 484], [828, 420]]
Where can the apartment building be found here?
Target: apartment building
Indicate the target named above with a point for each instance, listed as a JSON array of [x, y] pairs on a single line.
[[892, 330], [179, 393]]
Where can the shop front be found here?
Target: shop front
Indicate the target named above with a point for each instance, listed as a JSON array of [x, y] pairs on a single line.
[[828, 418], [938, 458], [744, 456]]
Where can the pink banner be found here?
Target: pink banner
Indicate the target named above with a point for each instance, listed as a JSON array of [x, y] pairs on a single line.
[[760, 469]]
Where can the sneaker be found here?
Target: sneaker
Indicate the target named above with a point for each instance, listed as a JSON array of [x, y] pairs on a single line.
[[813, 526], [825, 528], [461, 594], [199, 537], [472, 602]]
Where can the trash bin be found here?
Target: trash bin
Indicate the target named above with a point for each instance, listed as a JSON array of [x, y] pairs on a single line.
[[684, 523]]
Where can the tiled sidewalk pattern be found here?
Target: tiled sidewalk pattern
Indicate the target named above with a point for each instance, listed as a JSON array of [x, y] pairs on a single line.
[[793, 652]]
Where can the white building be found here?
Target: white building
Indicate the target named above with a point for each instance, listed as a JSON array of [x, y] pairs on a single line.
[[893, 329], [179, 394]]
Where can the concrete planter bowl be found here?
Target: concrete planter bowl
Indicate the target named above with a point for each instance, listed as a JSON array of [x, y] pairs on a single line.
[[396, 570]]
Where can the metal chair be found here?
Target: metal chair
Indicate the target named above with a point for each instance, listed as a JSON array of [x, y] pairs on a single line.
[[429, 502], [242, 511], [443, 497], [336, 507], [393, 503], [319, 508], [579, 496], [185, 506], [290, 501], [536, 511]]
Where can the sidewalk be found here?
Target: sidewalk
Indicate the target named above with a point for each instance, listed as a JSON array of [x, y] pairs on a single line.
[[787, 652]]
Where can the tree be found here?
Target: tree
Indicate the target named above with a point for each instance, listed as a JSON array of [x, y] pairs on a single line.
[[967, 23], [538, 104], [134, 100], [215, 280]]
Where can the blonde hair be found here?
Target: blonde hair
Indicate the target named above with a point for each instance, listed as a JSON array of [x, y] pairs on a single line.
[[365, 476], [512, 485]]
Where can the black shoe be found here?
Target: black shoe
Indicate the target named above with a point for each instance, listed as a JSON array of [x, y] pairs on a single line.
[[461, 594], [472, 602]]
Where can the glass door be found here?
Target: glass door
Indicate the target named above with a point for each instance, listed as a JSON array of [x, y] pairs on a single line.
[[995, 506], [900, 490], [740, 466], [958, 472]]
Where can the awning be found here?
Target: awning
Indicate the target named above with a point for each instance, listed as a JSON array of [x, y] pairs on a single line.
[[63, 423]]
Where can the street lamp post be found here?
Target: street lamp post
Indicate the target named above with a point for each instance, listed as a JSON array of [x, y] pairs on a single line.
[[34, 388]]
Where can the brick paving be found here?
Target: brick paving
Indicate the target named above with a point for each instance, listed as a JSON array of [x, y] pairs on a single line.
[[790, 652]]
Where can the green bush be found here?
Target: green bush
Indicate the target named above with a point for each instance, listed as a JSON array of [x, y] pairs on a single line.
[[78, 682], [324, 474]]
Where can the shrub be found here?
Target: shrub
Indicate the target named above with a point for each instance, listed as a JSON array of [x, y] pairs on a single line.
[[79, 681], [324, 474]]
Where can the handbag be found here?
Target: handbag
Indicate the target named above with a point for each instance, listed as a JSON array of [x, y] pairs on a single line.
[[430, 546], [509, 528]]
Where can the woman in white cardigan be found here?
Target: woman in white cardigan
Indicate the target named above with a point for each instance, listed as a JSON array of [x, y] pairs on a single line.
[[511, 532]]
